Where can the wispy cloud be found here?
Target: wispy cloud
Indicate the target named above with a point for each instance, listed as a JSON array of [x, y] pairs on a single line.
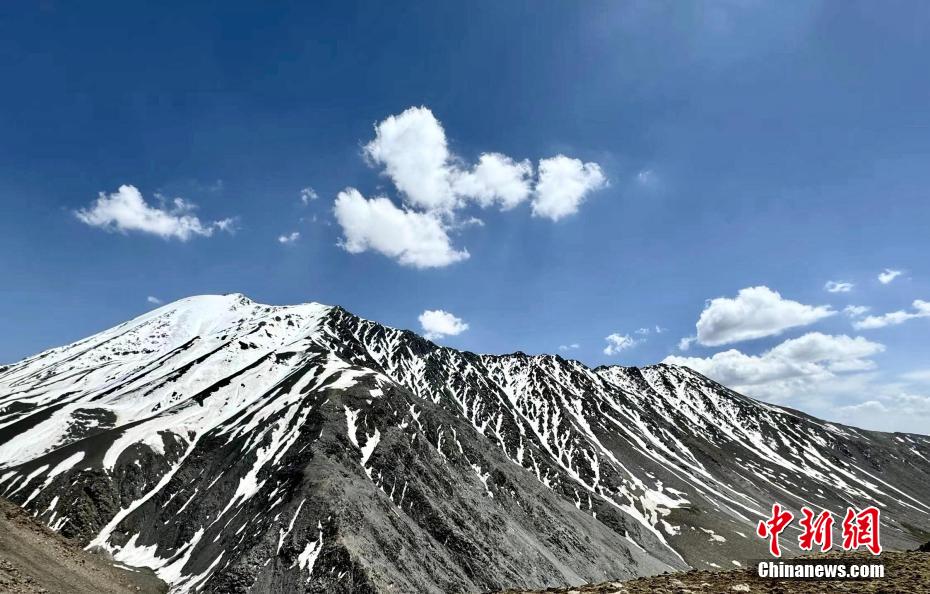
[[838, 287], [918, 375], [921, 310], [126, 210], [854, 311], [890, 410], [308, 194], [289, 238], [889, 275], [685, 343], [617, 342], [647, 178]]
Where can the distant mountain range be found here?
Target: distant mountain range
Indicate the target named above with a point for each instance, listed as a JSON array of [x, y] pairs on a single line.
[[233, 447]]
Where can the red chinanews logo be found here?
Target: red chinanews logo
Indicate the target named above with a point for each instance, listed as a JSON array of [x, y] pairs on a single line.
[[860, 529]]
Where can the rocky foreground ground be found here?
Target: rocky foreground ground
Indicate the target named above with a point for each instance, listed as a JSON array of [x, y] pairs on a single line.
[[905, 573], [34, 560]]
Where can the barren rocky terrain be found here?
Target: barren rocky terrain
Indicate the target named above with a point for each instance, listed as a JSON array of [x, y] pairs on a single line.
[[33, 559], [905, 572]]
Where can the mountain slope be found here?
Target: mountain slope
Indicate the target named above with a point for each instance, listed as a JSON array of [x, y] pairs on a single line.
[[232, 446], [905, 571], [33, 560]]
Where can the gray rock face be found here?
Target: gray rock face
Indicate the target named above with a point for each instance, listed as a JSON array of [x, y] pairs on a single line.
[[234, 447]]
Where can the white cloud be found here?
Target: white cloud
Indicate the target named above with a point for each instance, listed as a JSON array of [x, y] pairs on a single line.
[[685, 343], [645, 331], [618, 342], [434, 184], [308, 194], [569, 347], [289, 238], [831, 377], [756, 312], [153, 300], [126, 210], [412, 238], [838, 287], [563, 184], [225, 225], [889, 275], [496, 179], [854, 311], [437, 323], [816, 347], [891, 410], [793, 367], [921, 310], [413, 149]]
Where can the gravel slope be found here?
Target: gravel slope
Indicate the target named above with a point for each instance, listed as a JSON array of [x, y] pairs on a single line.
[[34, 559], [904, 572]]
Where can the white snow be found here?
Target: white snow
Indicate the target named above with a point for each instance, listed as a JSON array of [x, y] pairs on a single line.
[[244, 362], [290, 526], [307, 558]]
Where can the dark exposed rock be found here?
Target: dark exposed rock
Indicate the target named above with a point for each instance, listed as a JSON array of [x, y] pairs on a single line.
[[238, 447]]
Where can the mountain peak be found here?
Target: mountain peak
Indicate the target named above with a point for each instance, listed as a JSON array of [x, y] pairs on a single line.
[[228, 444]]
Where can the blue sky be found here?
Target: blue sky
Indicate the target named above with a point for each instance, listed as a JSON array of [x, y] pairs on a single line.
[[706, 149]]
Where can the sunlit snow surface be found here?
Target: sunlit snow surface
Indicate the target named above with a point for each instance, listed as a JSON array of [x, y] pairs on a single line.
[[186, 368], [654, 444]]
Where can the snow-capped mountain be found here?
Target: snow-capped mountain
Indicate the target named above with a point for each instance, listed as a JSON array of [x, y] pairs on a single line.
[[234, 447]]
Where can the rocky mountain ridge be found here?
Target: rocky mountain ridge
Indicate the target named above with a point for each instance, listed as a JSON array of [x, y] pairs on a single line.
[[233, 446]]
